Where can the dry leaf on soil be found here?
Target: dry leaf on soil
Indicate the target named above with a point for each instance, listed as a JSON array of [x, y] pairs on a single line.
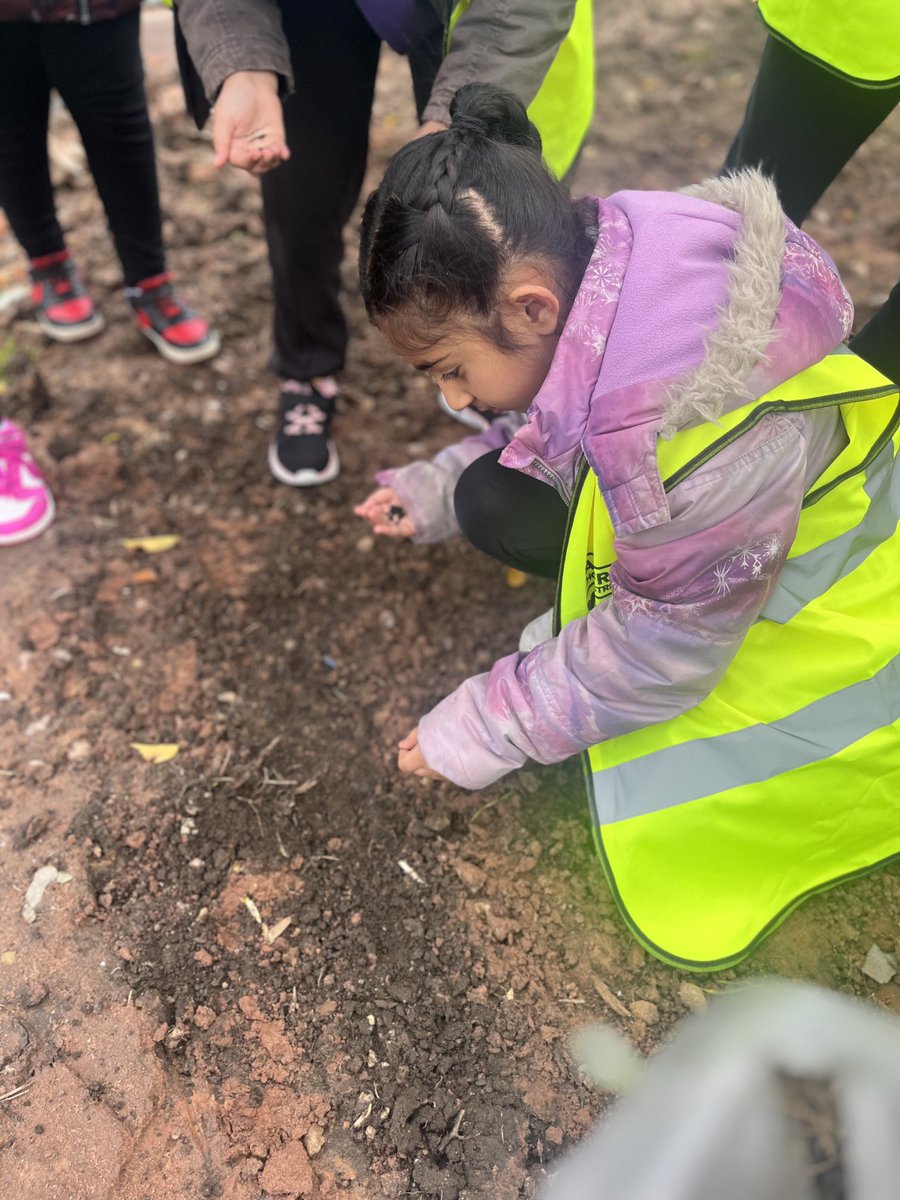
[[158, 752], [152, 545]]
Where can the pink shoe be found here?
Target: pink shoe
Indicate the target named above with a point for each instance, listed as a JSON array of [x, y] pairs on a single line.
[[26, 505]]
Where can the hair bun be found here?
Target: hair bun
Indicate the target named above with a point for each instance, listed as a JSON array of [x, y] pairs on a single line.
[[487, 111]]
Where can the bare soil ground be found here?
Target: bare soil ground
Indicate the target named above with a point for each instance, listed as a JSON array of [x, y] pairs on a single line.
[[406, 1033]]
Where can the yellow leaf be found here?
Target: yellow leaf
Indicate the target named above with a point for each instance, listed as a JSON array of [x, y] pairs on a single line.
[[152, 545], [159, 752], [253, 910], [514, 578], [8, 957]]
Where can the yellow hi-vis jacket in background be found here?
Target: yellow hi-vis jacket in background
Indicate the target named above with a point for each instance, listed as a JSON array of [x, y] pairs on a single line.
[[563, 107], [714, 825], [857, 39]]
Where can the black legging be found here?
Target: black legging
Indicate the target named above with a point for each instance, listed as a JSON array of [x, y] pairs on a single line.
[[510, 516], [97, 71], [308, 200], [802, 125]]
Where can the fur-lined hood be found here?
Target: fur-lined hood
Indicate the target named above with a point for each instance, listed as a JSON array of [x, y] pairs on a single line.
[[692, 304]]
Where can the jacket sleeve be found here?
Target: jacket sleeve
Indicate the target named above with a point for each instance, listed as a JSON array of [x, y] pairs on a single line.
[[225, 36], [683, 596], [510, 43], [425, 489]]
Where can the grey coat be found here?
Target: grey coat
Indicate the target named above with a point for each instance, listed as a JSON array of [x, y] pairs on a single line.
[[510, 43]]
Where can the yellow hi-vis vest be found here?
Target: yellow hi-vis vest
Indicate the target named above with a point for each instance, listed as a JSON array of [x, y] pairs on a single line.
[[856, 39], [713, 825], [563, 107]]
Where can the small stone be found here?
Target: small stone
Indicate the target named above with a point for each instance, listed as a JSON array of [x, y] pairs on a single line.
[[80, 751], [204, 1017], [879, 966], [692, 997], [314, 1140], [644, 1011], [30, 995], [473, 877]]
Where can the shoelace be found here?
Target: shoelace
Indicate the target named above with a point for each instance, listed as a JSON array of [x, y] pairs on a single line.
[[59, 278], [163, 300]]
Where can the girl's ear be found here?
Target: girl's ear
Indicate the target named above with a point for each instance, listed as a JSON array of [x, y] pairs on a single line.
[[535, 305]]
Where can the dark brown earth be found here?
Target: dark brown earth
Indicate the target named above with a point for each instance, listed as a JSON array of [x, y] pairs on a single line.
[[406, 1033]]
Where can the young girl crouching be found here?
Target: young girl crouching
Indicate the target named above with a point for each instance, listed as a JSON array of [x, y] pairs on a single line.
[[697, 461]]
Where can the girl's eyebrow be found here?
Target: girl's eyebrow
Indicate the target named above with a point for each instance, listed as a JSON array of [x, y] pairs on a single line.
[[428, 366]]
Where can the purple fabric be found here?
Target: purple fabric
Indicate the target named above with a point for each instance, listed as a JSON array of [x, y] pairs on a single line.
[[695, 567], [401, 23]]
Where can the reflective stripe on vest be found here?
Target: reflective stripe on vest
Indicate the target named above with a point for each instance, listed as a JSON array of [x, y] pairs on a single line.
[[713, 825], [859, 40], [563, 107]]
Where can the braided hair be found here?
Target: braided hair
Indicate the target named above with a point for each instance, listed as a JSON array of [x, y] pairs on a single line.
[[454, 210]]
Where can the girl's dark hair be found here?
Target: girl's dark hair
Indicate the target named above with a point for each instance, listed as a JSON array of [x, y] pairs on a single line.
[[454, 209]]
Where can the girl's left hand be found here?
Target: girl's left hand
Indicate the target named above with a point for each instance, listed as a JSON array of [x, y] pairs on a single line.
[[412, 760]]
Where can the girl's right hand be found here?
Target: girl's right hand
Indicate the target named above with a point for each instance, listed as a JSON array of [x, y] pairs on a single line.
[[386, 514]]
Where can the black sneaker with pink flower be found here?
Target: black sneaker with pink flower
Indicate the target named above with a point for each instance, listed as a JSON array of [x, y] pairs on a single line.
[[302, 453]]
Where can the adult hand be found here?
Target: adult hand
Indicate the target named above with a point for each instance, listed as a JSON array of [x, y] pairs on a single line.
[[411, 759], [430, 127], [248, 123], [386, 514]]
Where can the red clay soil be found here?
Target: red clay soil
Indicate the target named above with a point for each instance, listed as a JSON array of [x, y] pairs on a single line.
[[406, 1034]]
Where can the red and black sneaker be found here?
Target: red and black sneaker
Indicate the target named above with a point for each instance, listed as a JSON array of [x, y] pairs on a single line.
[[64, 309], [174, 329]]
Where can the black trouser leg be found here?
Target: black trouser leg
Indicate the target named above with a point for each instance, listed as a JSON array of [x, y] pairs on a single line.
[[98, 72], [802, 125], [510, 516], [878, 342], [308, 200], [26, 193], [425, 61]]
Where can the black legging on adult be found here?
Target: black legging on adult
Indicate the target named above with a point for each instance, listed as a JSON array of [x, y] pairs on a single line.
[[308, 200], [802, 125], [97, 71]]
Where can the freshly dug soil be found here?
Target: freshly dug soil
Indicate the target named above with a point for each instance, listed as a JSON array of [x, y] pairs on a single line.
[[406, 1033]]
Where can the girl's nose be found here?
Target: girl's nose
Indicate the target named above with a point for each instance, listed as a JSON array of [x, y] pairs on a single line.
[[457, 397]]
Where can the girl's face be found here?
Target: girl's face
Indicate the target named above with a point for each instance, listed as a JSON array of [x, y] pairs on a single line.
[[471, 370]]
